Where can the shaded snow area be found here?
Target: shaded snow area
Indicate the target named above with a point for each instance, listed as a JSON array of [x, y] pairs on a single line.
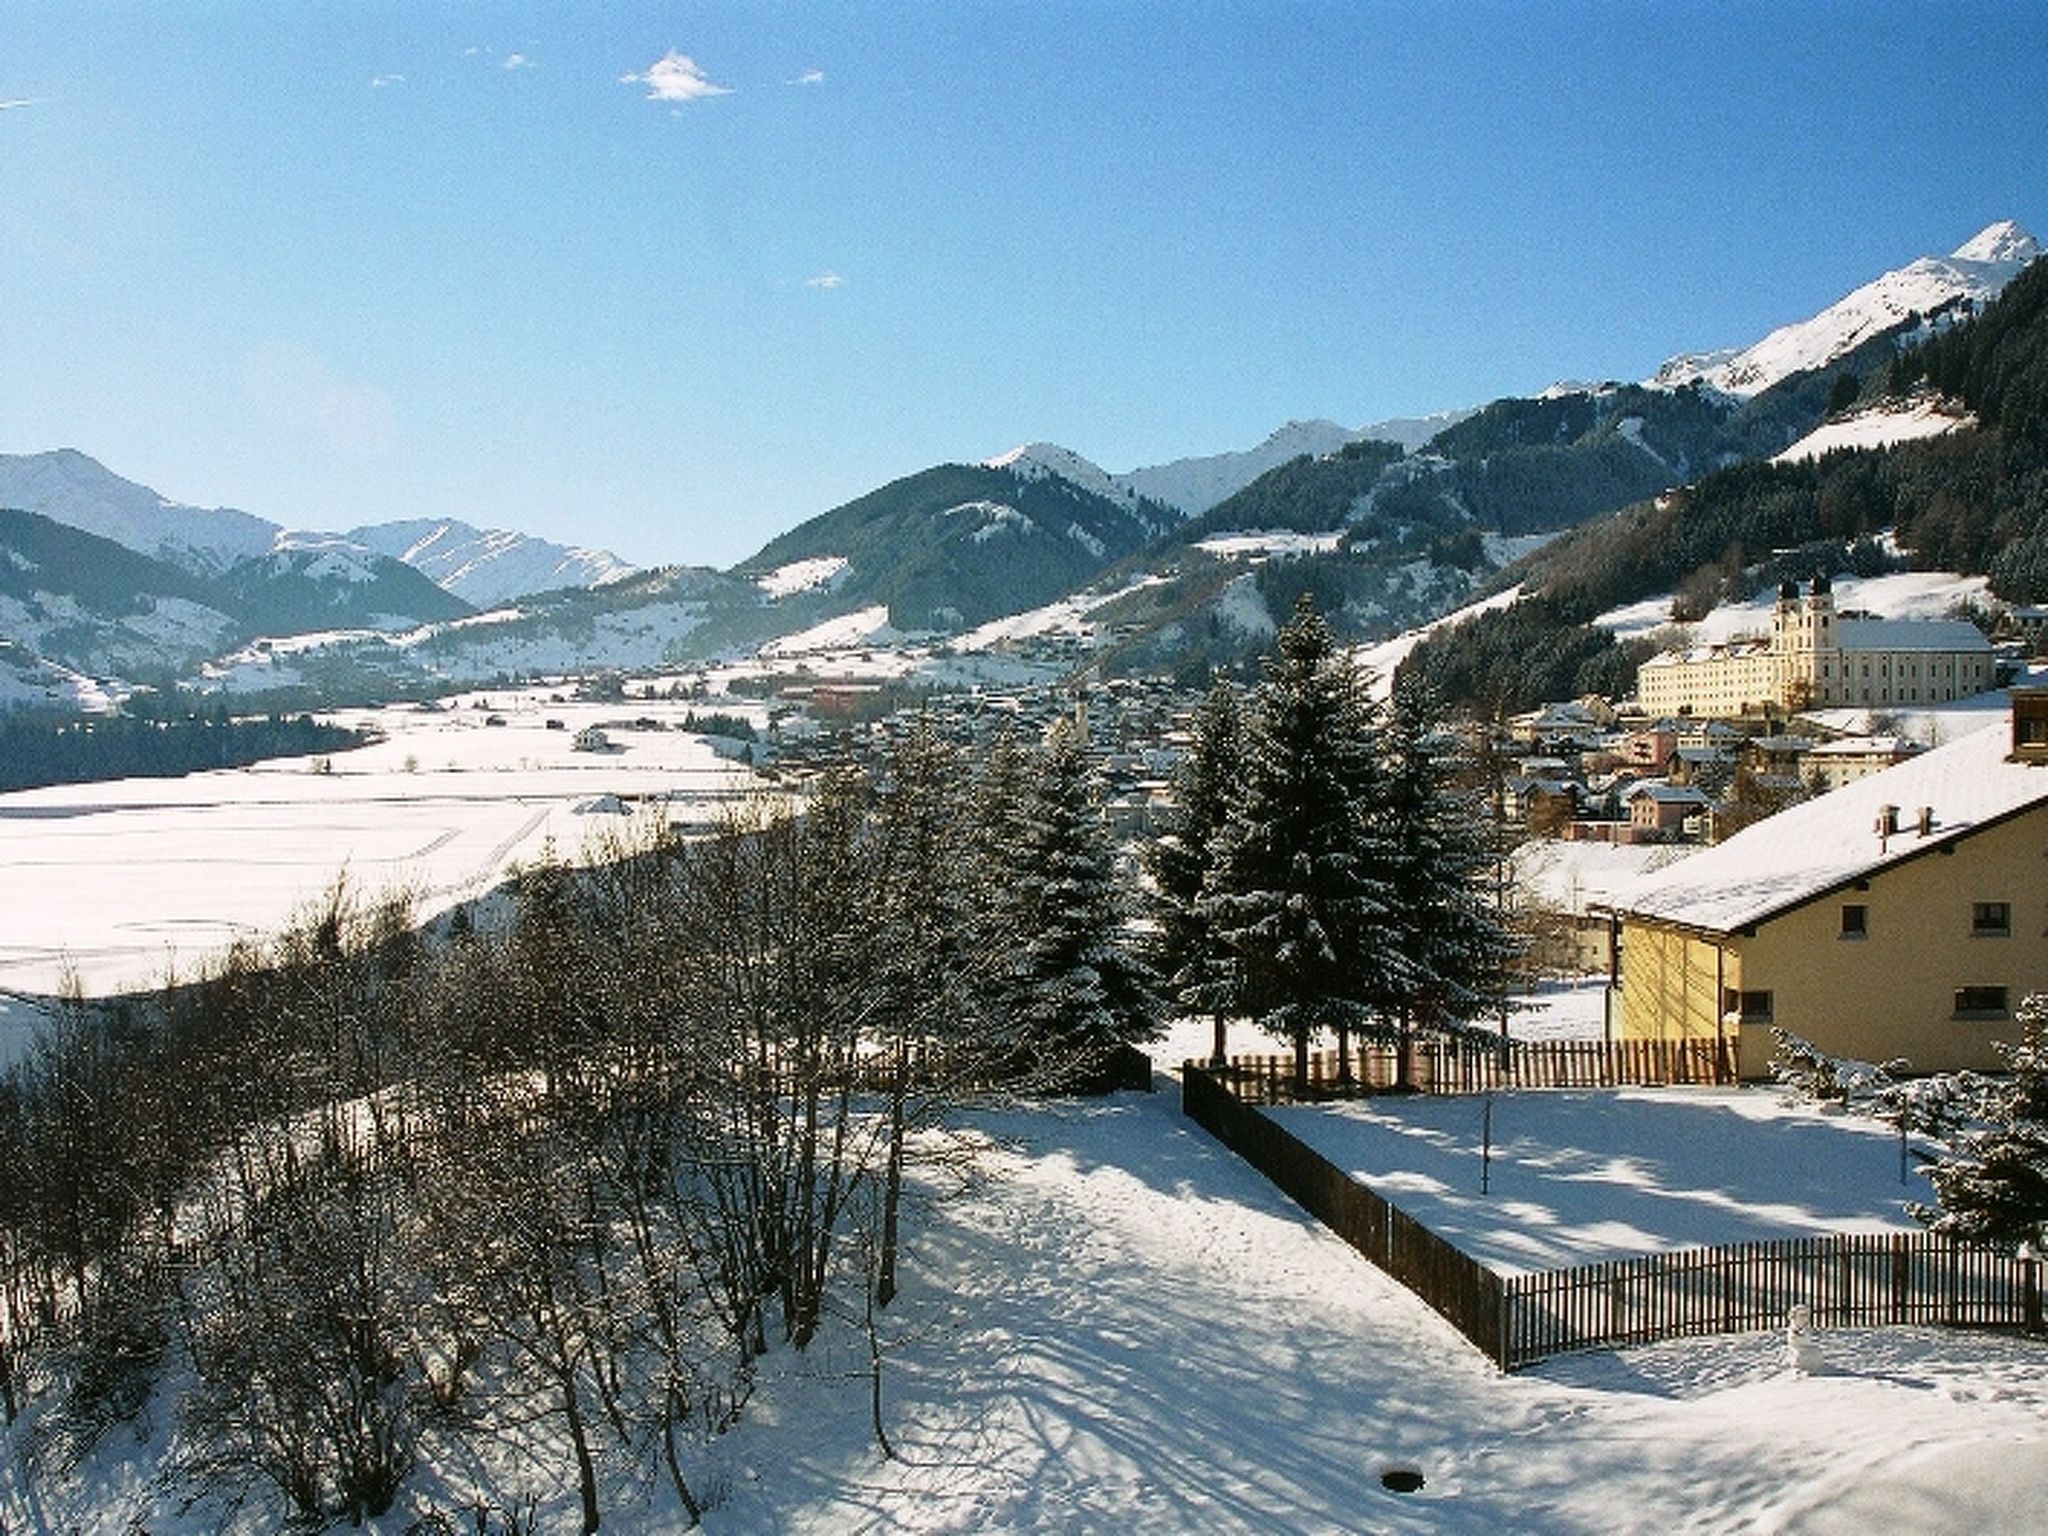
[[1116, 1326], [822, 571]]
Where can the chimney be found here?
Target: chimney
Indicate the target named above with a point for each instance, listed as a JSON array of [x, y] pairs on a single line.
[[1926, 820], [1887, 824]]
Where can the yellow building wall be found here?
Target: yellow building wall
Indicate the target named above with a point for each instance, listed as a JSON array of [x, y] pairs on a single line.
[[1887, 995], [1670, 985]]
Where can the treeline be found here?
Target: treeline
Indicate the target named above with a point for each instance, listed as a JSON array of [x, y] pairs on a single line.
[[40, 750], [354, 1196]]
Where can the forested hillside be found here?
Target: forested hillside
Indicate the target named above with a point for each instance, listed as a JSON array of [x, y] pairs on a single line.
[[1974, 500], [963, 543]]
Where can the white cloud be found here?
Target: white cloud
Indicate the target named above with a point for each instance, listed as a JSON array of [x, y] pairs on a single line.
[[516, 61], [675, 77], [378, 82], [810, 77], [20, 101], [825, 280]]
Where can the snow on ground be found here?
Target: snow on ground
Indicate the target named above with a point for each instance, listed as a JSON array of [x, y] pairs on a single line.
[[1250, 546], [863, 627], [1875, 429], [1380, 660], [124, 880], [1067, 616], [1900, 595], [1125, 1329], [1577, 1177], [1116, 1325], [803, 575]]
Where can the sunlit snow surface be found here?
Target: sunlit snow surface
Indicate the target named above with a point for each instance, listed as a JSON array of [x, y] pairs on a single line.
[[125, 881]]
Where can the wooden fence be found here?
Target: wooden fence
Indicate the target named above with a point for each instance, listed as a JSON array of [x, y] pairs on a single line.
[[1465, 1065], [1848, 1280]]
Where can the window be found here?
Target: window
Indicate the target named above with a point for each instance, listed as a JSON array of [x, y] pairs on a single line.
[[1752, 1007], [1855, 921], [1990, 919], [1980, 1003]]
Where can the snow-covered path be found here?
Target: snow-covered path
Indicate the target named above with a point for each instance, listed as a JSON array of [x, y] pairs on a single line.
[[1127, 1330]]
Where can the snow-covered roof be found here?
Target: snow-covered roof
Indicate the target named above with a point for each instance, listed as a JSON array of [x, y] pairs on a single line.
[[1910, 635], [1810, 849]]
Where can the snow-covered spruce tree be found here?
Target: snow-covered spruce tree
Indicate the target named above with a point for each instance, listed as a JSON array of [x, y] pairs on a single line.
[[1991, 1181], [1302, 894], [1450, 933], [1198, 969], [1076, 988]]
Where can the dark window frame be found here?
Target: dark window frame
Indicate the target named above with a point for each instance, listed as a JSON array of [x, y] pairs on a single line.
[[1983, 1002], [1990, 919]]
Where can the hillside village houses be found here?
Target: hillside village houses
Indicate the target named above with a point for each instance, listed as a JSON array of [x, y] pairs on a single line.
[[1817, 659], [1902, 915]]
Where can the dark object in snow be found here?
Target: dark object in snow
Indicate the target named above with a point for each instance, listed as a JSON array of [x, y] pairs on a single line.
[[1401, 1480]]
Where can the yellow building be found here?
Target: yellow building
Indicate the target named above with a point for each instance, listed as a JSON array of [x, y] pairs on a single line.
[[1902, 916], [1816, 659]]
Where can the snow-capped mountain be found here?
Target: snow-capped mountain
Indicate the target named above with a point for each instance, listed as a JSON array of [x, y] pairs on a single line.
[[489, 566], [481, 566], [68, 487], [1194, 485], [1965, 280]]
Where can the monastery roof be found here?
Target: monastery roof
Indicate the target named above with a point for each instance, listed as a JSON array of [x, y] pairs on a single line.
[[1910, 635], [1815, 847]]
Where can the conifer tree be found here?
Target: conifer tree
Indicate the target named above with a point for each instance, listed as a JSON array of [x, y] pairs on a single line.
[[1196, 965], [1992, 1180], [1447, 932], [1302, 894], [1078, 988]]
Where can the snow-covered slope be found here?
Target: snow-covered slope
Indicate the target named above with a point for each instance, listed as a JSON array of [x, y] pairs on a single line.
[[1875, 429], [1970, 276], [68, 487], [488, 566]]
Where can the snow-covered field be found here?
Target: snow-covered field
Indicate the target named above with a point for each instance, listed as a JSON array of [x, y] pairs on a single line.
[[122, 881]]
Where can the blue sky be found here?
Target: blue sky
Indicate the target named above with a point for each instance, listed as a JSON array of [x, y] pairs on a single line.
[[672, 278]]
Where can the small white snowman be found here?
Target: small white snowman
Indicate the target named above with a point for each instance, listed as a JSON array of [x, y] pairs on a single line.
[[1802, 1342]]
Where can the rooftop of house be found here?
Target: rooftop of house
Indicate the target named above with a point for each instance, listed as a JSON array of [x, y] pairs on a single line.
[[1800, 853]]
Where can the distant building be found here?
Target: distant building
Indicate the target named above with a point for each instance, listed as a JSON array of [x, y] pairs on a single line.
[[1831, 764], [1814, 659], [1900, 916]]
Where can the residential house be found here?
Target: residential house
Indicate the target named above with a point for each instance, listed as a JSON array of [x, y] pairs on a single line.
[[1661, 810], [1831, 764], [1903, 915]]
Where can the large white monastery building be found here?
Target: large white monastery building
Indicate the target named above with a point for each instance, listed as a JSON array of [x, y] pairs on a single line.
[[1814, 659]]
